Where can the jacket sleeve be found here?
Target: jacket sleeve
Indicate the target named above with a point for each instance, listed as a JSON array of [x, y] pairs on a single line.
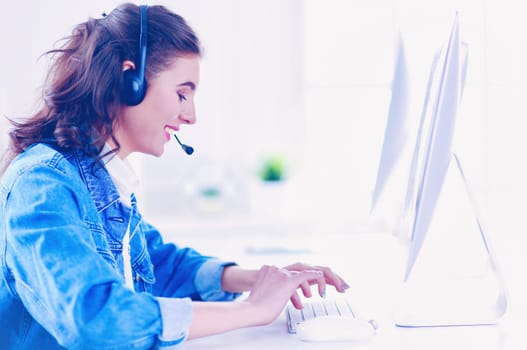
[[183, 272], [62, 280]]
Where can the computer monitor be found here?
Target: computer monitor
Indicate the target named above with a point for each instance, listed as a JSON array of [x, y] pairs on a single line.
[[433, 158]]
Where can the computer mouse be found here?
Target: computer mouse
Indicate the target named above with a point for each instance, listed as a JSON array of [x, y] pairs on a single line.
[[335, 329]]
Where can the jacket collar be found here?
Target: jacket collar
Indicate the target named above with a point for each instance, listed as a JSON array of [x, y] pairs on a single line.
[[98, 180]]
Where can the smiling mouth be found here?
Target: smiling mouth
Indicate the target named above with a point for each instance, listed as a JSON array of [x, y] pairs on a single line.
[[171, 129]]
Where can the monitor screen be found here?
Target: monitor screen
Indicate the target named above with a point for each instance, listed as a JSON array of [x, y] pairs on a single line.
[[433, 148]]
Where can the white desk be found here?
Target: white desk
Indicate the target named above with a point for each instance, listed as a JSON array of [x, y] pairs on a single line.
[[371, 264], [275, 336]]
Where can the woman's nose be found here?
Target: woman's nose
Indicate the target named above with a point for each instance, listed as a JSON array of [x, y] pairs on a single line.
[[189, 115]]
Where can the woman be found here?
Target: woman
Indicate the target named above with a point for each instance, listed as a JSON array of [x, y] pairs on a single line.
[[81, 269]]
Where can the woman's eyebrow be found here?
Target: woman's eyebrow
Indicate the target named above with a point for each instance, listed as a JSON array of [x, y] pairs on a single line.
[[190, 84]]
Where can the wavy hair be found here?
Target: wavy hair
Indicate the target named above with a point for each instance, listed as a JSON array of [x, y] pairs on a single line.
[[82, 90]]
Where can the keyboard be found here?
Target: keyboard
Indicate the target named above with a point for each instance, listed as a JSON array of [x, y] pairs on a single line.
[[324, 307]]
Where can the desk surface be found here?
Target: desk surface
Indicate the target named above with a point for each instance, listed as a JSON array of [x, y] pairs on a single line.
[[275, 336], [372, 265]]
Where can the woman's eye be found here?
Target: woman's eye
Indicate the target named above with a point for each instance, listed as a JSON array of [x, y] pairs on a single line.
[[182, 97]]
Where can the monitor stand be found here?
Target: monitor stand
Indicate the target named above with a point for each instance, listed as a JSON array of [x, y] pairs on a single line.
[[455, 280]]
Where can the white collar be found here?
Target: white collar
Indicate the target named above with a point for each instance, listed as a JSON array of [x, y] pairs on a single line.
[[123, 175]]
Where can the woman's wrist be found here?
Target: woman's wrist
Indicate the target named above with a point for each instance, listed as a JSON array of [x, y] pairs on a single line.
[[236, 279]]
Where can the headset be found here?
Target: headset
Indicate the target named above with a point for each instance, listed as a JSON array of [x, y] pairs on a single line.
[[134, 82]]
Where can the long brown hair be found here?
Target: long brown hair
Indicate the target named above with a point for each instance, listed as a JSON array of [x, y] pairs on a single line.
[[82, 91]]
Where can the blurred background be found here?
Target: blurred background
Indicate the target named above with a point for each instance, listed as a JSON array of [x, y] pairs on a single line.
[[292, 107]]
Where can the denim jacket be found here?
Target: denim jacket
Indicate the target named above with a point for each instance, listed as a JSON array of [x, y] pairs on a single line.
[[61, 267]]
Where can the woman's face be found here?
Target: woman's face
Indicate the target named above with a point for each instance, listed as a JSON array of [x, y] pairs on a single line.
[[168, 104]]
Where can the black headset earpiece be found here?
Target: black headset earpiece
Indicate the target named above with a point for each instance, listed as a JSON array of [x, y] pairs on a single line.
[[134, 82]]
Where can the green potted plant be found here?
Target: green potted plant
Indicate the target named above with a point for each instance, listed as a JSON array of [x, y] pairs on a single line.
[[273, 169]]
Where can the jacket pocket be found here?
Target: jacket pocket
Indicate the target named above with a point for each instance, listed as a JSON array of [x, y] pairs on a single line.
[[103, 246]]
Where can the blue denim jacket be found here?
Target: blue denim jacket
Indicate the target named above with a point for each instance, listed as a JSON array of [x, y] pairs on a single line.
[[61, 279]]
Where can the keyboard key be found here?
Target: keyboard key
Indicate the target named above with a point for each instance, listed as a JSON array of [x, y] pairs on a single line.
[[344, 307], [307, 312], [318, 308], [331, 308], [295, 315]]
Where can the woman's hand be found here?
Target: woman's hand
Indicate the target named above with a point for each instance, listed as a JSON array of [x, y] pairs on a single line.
[[275, 286], [237, 279], [327, 276]]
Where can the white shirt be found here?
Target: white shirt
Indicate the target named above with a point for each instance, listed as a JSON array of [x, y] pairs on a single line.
[[126, 182]]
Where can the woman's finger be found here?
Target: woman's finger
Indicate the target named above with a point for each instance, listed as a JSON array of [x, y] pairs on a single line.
[[306, 289], [296, 301]]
